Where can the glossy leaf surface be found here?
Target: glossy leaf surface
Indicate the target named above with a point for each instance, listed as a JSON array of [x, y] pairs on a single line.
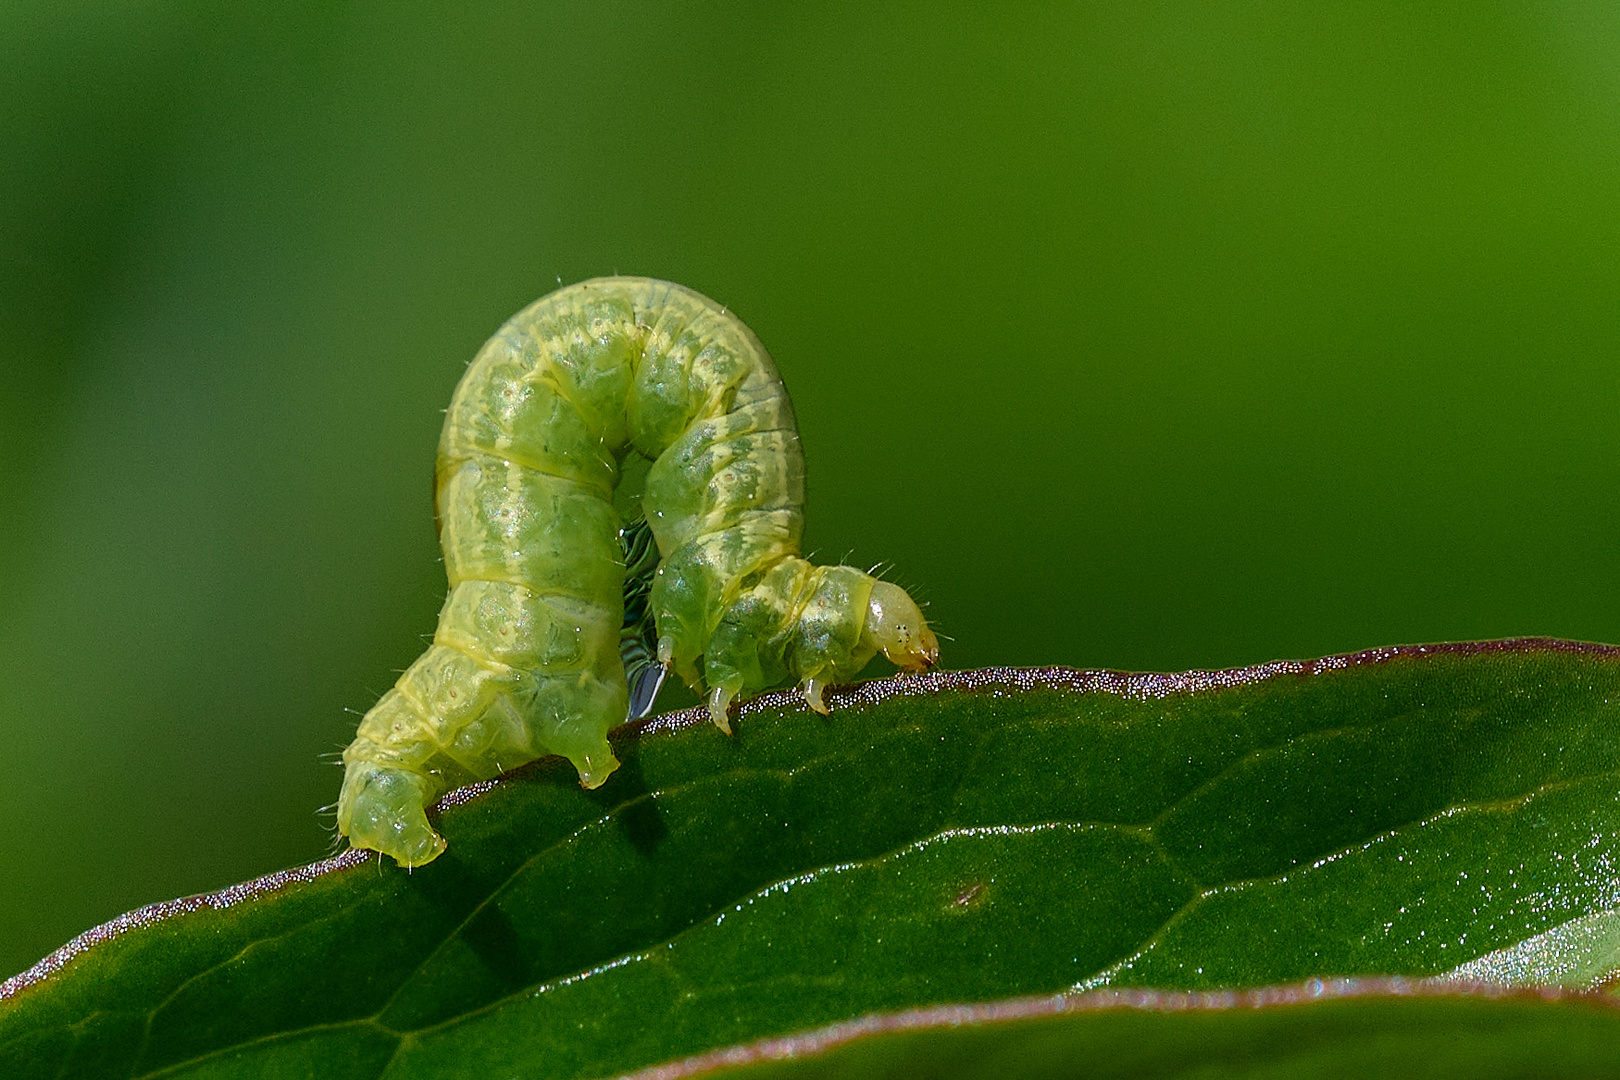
[[956, 838]]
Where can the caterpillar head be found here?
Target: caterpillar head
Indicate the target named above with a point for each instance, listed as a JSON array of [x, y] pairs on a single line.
[[895, 627], [891, 624]]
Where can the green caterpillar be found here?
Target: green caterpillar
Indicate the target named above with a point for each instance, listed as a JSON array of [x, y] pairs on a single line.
[[529, 655]]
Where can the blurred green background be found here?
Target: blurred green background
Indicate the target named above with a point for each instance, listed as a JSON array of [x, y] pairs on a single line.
[[1134, 335]]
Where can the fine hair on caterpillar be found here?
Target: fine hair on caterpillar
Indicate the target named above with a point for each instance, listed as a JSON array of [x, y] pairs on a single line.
[[563, 617]]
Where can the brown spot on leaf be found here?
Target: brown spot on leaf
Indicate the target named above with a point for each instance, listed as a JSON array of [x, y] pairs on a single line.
[[968, 896]]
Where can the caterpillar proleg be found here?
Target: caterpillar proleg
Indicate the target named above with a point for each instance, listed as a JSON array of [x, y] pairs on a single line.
[[530, 653]]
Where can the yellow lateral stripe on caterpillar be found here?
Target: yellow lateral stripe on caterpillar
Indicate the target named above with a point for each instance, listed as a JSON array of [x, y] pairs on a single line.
[[526, 659]]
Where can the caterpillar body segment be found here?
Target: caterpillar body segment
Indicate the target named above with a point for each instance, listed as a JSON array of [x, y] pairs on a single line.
[[549, 593]]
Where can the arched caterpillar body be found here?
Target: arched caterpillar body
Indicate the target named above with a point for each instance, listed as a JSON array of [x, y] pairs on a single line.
[[528, 658]]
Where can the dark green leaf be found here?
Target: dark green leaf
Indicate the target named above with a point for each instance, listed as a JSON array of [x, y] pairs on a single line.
[[1342, 1030], [961, 837]]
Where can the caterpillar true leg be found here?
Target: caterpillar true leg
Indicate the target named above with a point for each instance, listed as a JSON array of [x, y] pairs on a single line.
[[638, 637], [530, 653]]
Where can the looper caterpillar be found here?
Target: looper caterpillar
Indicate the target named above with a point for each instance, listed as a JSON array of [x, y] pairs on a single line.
[[530, 653]]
